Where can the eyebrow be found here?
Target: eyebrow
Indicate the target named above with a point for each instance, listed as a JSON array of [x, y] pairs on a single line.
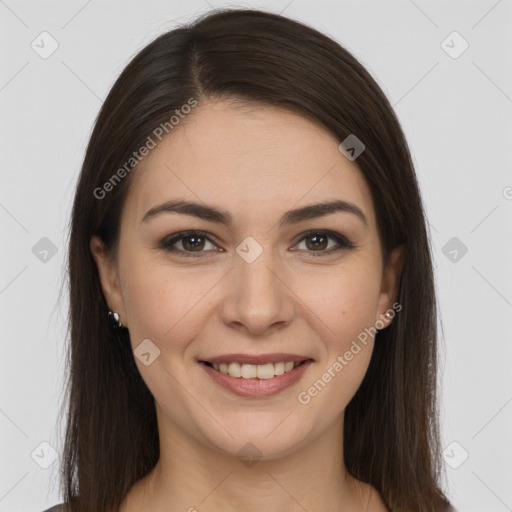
[[220, 216]]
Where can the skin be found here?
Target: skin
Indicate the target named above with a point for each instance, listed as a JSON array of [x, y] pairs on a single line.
[[256, 163]]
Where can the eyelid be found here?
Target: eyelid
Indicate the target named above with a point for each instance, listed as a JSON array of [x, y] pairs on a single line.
[[342, 241], [168, 242]]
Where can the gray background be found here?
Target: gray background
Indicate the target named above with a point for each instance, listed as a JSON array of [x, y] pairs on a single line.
[[457, 116]]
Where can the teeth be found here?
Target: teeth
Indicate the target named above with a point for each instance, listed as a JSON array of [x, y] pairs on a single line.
[[234, 370], [251, 371], [265, 371], [278, 368]]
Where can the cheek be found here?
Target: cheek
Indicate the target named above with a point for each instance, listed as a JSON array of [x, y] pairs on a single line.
[[343, 302], [344, 305], [163, 302]]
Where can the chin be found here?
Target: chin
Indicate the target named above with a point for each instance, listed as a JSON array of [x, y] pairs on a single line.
[[266, 437]]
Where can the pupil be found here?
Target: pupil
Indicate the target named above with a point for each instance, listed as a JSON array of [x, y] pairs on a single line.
[[193, 245], [316, 237]]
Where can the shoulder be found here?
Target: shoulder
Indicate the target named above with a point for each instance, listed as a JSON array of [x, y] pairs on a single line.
[[56, 508]]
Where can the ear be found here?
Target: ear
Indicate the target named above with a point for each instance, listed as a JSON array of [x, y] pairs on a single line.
[[389, 284], [109, 278]]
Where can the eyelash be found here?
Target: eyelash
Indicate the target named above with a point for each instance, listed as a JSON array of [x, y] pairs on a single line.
[[167, 243]]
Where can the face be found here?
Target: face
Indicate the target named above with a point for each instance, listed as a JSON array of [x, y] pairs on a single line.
[[249, 284]]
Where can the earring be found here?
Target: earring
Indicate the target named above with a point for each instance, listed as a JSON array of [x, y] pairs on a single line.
[[114, 320]]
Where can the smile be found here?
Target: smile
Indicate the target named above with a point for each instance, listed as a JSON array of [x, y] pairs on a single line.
[[256, 380], [254, 371]]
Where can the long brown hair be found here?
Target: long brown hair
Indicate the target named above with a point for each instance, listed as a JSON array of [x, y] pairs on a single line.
[[391, 437]]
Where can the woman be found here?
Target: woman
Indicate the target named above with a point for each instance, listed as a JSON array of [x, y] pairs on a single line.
[[252, 304]]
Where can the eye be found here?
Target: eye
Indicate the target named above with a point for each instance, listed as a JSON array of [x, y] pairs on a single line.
[[320, 242], [191, 242]]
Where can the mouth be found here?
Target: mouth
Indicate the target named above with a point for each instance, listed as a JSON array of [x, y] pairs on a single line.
[[255, 371], [256, 376]]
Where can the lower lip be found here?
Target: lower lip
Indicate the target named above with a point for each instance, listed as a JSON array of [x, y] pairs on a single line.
[[256, 388]]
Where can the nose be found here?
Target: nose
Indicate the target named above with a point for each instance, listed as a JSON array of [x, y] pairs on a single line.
[[258, 296]]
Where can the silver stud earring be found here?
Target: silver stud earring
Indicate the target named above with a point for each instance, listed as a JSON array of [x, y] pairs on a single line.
[[389, 317], [114, 320]]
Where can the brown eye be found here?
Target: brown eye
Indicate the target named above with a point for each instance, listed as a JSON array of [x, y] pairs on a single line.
[[192, 244], [318, 241]]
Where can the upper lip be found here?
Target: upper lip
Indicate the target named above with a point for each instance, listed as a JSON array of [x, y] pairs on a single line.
[[255, 359]]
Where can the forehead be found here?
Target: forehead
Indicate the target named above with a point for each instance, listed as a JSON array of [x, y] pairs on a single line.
[[253, 161]]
